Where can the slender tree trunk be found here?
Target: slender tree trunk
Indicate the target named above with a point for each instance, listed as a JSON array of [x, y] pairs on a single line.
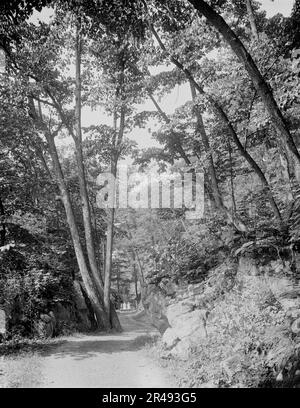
[[140, 272], [231, 176], [86, 211], [178, 145], [244, 153], [252, 21], [2, 224], [223, 117], [117, 141], [231, 215], [91, 289], [136, 285], [261, 86], [175, 135], [211, 166], [118, 285], [232, 218], [136, 261], [109, 251]]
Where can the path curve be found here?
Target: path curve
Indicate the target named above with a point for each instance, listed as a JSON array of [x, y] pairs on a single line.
[[93, 361]]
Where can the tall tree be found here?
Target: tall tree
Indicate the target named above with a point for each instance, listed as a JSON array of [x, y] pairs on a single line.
[[222, 115], [252, 21], [285, 139]]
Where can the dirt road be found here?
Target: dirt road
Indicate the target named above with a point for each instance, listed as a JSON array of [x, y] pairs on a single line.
[[94, 360]]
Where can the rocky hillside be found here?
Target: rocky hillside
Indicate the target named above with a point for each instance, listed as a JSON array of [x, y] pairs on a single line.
[[240, 327]]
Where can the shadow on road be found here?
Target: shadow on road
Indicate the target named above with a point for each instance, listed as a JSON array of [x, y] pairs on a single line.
[[136, 335], [81, 349]]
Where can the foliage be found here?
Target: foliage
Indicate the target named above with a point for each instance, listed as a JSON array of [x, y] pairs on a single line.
[[133, 52], [34, 276]]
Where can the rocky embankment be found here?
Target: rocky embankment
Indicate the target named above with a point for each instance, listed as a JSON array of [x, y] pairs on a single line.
[[239, 327], [59, 317]]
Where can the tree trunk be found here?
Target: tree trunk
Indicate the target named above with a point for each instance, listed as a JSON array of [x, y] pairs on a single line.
[[136, 260], [108, 258], [232, 218], [2, 224], [91, 289], [244, 153], [136, 285], [116, 143], [86, 211], [252, 21], [230, 215], [261, 86], [223, 117], [231, 176], [211, 167]]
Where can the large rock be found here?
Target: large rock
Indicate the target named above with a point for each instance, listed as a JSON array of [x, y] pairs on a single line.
[[155, 304], [170, 338], [45, 327], [161, 323], [187, 330], [176, 310], [191, 324]]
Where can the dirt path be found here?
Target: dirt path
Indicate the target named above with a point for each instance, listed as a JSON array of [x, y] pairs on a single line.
[[95, 360]]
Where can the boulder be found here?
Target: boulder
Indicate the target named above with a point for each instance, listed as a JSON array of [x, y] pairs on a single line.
[[170, 338], [154, 305], [176, 310], [191, 324], [188, 329], [44, 329], [161, 323], [45, 326]]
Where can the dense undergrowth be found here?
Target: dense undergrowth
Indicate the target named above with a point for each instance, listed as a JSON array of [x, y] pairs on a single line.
[[36, 275], [249, 340]]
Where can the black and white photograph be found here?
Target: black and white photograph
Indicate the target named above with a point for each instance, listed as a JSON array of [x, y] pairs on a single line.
[[149, 198]]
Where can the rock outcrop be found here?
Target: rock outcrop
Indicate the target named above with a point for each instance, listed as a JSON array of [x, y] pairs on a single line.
[[45, 326], [188, 327], [191, 314], [58, 317]]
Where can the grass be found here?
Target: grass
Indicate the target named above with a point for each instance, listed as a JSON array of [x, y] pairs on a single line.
[[17, 346]]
